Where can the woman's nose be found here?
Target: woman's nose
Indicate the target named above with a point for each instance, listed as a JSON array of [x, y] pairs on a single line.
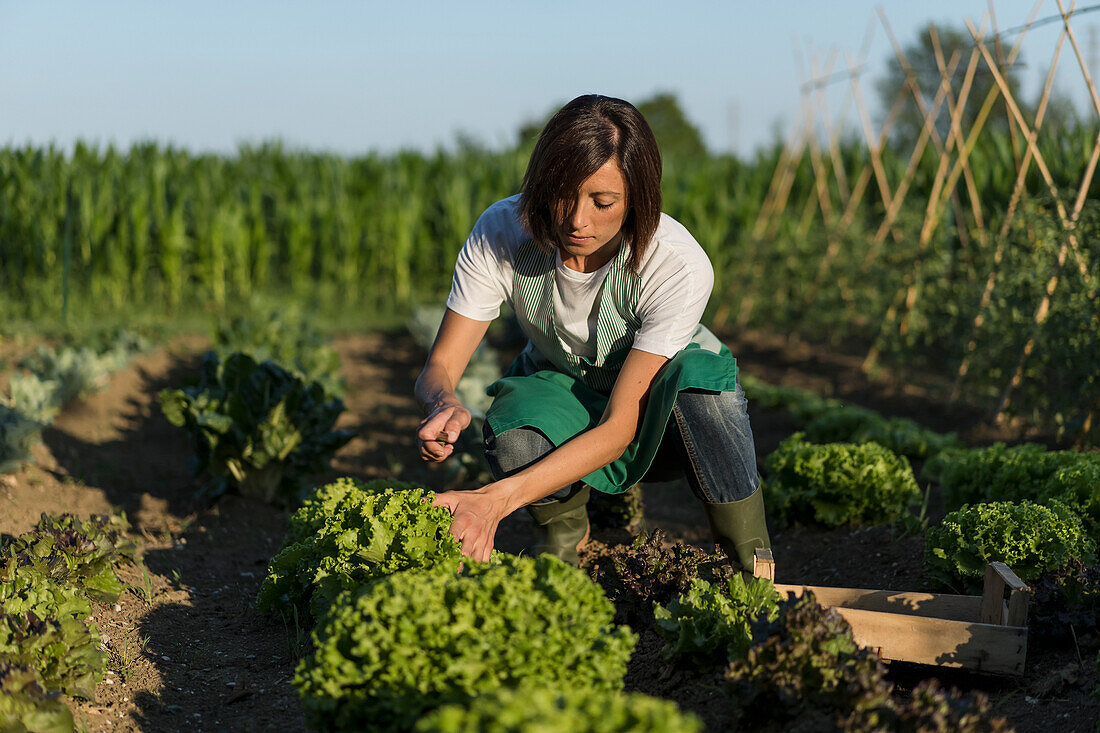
[[580, 217]]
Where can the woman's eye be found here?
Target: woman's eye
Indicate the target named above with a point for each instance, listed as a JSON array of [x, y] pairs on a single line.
[[603, 206]]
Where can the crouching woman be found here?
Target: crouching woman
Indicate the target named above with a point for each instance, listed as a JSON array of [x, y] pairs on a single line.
[[618, 379]]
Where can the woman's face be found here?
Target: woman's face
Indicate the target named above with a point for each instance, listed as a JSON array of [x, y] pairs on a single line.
[[597, 220]]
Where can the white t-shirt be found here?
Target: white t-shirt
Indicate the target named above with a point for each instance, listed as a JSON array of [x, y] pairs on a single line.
[[676, 280]]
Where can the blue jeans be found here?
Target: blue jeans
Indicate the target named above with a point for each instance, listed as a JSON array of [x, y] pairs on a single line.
[[708, 440]]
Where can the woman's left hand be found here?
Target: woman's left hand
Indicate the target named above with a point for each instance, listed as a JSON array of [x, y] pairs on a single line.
[[477, 514]]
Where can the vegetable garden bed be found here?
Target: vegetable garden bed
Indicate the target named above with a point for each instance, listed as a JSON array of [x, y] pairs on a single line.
[[194, 655]]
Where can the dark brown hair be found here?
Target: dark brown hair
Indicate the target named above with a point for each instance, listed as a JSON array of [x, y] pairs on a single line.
[[576, 142]]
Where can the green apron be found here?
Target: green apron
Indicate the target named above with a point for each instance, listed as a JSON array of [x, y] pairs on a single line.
[[563, 394]]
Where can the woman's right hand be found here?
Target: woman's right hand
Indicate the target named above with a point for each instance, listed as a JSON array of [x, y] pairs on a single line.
[[449, 418]]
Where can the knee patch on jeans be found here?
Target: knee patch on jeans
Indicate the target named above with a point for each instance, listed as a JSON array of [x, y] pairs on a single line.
[[513, 450]]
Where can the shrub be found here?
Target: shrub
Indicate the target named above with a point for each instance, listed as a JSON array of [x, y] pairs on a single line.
[[644, 573], [350, 532], [410, 642], [26, 706], [256, 427], [838, 483], [582, 710], [850, 424], [713, 621], [1028, 537], [17, 434]]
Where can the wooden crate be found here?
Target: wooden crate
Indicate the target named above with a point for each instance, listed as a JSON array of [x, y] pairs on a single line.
[[986, 633]]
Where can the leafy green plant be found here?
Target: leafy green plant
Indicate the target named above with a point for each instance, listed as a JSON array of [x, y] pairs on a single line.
[[64, 653], [349, 532], [53, 378], [283, 335], [77, 371], [805, 671], [801, 404], [617, 511], [28, 584], [932, 709], [33, 396], [1030, 538], [713, 621], [25, 707], [78, 552], [415, 640], [17, 434], [647, 572], [851, 424], [256, 427], [1066, 601], [1028, 471], [582, 710], [838, 483], [805, 666]]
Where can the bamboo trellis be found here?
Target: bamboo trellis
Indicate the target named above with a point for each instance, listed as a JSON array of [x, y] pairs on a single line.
[[838, 194]]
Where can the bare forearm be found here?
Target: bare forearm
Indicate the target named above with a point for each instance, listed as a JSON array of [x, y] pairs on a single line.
[[572, 461], [434, 389]]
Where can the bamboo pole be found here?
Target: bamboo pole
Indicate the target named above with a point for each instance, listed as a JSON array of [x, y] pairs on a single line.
[[941, 188], [1068, 223], [875, 151], [907, 294], [820, 173], [1017, 191], [763, 217], [1067, 220], [864, 178], [918, 151]]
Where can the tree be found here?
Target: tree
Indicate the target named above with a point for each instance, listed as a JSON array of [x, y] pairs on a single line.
[[922, 59], [676, 135]]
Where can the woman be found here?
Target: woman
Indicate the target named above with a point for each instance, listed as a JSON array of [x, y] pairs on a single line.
[[609, 292]]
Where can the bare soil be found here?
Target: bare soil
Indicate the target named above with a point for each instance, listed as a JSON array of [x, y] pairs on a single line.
[[188, 652]]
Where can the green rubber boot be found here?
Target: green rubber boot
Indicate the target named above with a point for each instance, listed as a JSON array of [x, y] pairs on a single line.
[[739, 528], [561, 527]]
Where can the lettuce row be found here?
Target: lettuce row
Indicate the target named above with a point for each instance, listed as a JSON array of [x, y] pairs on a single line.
[[582, 710], [1030, 538], [413, 641], [838, 483], [1023, 472], [349, 532]]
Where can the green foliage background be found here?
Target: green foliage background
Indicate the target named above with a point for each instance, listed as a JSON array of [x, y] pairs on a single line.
[[157, 231]]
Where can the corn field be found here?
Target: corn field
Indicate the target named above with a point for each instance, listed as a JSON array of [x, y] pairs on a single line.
[[161, 229]]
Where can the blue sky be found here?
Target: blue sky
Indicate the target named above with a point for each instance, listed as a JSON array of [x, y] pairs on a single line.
[[356, 76]]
